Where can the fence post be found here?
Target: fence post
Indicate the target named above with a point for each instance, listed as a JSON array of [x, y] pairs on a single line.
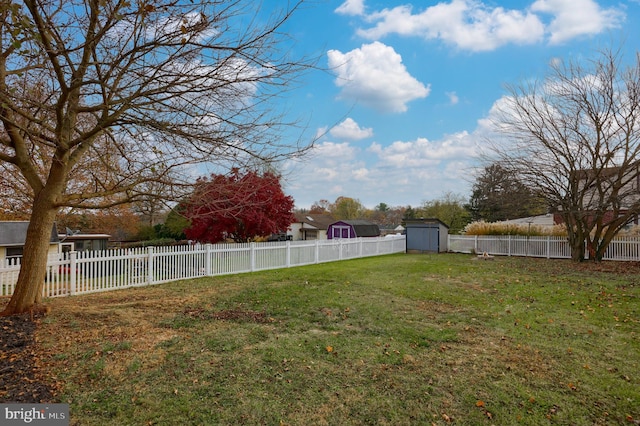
[[207, 260], [317, 252], [548, 246], [252, 256], [150, 271], [509, 245], [73, 269], [288, 258], [475, 244]]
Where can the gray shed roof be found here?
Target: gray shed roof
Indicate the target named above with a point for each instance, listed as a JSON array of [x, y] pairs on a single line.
[[14, 233], [422, 221]]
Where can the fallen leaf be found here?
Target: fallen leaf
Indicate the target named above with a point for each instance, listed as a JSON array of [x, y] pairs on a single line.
[[479, 403], [329, 349]]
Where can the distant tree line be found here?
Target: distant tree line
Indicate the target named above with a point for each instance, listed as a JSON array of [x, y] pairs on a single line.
[[246, 205]]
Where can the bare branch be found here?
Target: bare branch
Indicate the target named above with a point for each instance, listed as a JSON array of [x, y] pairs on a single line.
[[575, 139], [102, 99]]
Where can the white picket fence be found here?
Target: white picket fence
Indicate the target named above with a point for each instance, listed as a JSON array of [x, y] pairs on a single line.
[[620, 249], [95, 271]]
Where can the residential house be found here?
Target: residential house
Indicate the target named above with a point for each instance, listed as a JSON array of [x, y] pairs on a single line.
[[73, 241], [310, 226], [598, 186], [13, 235]]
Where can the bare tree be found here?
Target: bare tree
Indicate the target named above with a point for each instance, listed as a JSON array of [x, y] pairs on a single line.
[[98, 98], [574, 138]]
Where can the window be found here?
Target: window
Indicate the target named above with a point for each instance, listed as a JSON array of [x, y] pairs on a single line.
[[311, 234], [14, 252]]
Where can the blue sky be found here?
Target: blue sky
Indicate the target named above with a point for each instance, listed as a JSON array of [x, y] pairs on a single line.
[[409, 86]]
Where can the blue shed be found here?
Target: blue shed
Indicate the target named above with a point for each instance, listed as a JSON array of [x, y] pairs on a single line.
[[352, 229], [426, 235]]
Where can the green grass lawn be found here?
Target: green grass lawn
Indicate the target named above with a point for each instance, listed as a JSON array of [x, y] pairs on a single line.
[[391, 340]]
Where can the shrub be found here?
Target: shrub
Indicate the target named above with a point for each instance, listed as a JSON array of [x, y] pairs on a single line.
[[502, 228]]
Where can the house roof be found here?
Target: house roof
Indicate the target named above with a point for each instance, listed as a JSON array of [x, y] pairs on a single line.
[[604, 172], [78, 237], [542, 220], [14, 233], [315, 221], [363, 228]]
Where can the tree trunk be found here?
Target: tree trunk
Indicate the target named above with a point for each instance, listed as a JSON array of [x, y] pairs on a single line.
[[601, 248], [577, 252], [28, 290], [576, 242]]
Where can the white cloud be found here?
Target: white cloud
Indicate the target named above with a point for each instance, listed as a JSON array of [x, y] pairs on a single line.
[[173, 26], [467, 24], [574, 18], [321, 131], [453, 98], [360, 174], [350, 130], [351, 7], [422, 153], [375, 76], [336, 190], [404, 173], [476, 26], [330, 151], [325, 174]]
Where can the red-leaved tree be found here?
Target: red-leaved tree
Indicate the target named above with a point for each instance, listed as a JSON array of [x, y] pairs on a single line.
[[238, 206]]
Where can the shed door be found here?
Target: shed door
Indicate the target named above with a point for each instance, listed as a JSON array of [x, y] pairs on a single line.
[[423, 239], [341, 231]]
